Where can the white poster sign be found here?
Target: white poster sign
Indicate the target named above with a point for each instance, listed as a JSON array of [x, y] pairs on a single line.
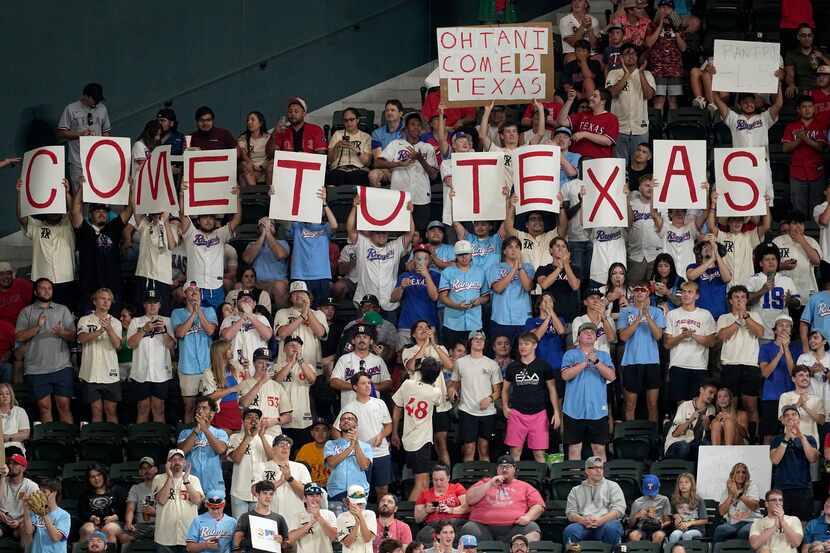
[[106, 162], [155, 190], [740, 177], [477, 179], [297, 179], [604, 203], [264, 533], [41, 179], [536, 178], [680, 174], [743, 66], [714, 463], [384, 210], [211, 176]]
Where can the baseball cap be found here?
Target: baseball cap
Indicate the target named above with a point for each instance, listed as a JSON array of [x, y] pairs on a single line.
[[421, 248], [299, 101], [587, 326], [519, 537], [282, 438], [468, 541], [594, 461], [250, 410], [173, 452], [147, 461], [312, 488], [97, 535], [629, 3], [651, 485], [462, 134], [412, 115], [320, 421], [19, 459], [298, 286], [506, 460], [790, 407], [373, 318], [565, 130], [290, 339], [151, 297], [476, 334], [594, 292], [327, 301], [365, 329], [463, 247], [243, 294], [665, 3], [823, 70], [98, 207], [357, 494], [782, 317], [614, 27], [370, 298], [6, 267], [262, 353], [215, 499], [435, 224]]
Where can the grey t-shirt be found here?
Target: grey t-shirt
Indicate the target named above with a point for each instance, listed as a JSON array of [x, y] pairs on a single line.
[[244, 525], [142, 494], [46, 352], [78, 117], [661, 504]]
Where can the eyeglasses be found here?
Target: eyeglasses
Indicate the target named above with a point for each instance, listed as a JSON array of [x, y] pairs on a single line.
[[205, 119], [350, 119], [805, 35]]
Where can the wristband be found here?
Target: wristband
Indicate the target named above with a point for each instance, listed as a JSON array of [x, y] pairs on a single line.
[[289, 479]]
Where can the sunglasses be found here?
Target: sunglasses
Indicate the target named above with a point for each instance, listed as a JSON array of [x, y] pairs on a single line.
[[89, 119]]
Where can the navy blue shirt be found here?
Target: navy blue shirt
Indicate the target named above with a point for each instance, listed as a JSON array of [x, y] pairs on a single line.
[[416, 304], [779, 381], [817, 530], [712, 291], [176, 142], [793, 472]]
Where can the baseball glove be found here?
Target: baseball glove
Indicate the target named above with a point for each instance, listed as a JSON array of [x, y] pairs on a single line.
[[38, 503]]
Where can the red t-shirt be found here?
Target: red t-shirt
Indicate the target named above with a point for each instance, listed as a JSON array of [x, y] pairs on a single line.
[[806, 164], [7, 334], [18, 296], [214, 139], [822, 102], [552, 110], [605, 124], [796, 12], [313, 140], [453, 115], [449, 499], [398, 530]]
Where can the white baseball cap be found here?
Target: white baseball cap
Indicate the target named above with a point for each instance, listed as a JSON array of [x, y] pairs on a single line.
[[463, 247]]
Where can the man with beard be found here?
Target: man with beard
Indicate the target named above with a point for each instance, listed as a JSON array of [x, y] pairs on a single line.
[[388, 526], [386, 335], [140, 517], [347, 458], [315, 528], [15, 293], [178, 495], [99, 253], [13, 486], [53, 248], [45, 328], [361, 359]]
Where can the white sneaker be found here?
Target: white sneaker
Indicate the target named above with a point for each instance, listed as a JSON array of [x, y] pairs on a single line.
[[713, 107], [699, 102]]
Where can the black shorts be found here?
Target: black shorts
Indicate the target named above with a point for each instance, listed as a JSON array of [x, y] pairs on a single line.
[[140, 391], [769, 425], [638, 378], [441, 422], [471, 427], [107, 392], [578, 431], [59, 383], [742, 380], [420, 461], [684, 384]]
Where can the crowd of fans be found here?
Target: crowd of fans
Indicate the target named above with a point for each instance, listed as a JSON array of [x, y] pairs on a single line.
[[471, 341]]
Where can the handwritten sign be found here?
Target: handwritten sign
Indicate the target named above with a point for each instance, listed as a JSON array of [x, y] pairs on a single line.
[[211, 175], [679, 174], [507, 64], [536, 178], [383, 210], [743, 66], [740, 175], [105, 162], [42, 177], [604, 203], [155, 190], [297, 179], [477, 179]]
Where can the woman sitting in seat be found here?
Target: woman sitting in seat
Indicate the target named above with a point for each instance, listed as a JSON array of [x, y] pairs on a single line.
[[443, 502], [689, 510], [739, 505], [101, 505]]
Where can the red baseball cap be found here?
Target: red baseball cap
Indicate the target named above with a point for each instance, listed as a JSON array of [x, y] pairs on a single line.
[[19, 459]]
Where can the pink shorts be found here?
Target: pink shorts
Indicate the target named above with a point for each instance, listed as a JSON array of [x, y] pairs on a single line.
[[533, 427]]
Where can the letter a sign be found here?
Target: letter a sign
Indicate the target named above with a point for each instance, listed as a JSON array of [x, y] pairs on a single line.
[[679, 174]]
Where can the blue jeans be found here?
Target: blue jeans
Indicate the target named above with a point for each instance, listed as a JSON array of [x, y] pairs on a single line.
[[688, 535], [581, 253], [725, 531], [610, 532], [6, 372], [680, 450], [213, 298]]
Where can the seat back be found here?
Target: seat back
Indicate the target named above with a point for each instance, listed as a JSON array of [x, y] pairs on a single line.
[[564, 476], [590, 546], [642, 547], [471, 472], [546, 547], [491, 546], [733, 546]]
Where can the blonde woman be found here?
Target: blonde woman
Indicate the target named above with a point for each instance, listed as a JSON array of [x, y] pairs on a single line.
[[222, 383], [739, 505], [16, 427], [689, 510], [730, 424]]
